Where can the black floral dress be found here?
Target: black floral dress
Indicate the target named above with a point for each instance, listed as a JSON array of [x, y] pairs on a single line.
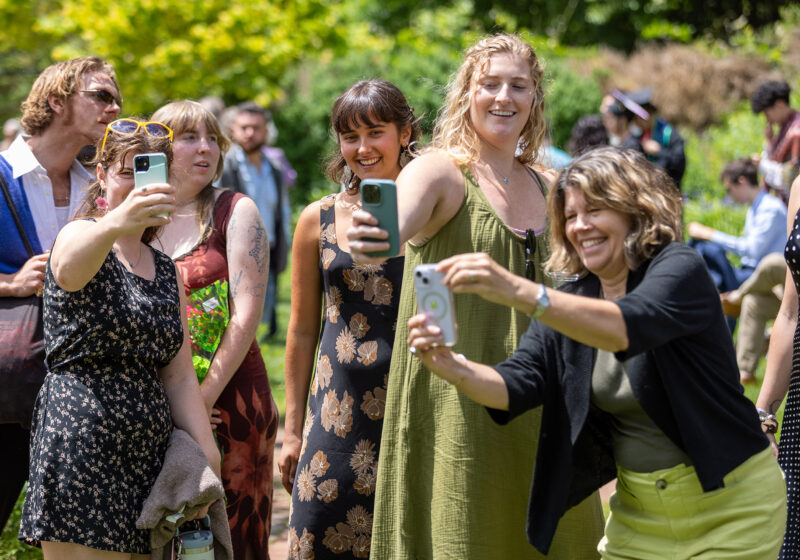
[[102, 418], [334, 490]]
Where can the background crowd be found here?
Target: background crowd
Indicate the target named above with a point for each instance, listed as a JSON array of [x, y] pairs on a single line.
[[479, 185]]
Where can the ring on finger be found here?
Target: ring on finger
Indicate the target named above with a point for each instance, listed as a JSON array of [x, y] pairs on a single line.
[[412, 349], [471, 275]]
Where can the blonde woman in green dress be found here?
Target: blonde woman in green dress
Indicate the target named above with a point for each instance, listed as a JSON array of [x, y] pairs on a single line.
[[451, 484]]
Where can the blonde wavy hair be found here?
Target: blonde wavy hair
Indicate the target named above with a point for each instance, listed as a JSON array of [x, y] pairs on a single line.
[[185, 115], [454, 131], [61, 80], [622, 180]]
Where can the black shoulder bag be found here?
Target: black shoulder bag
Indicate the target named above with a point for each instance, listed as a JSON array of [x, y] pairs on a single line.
[[22, 367]]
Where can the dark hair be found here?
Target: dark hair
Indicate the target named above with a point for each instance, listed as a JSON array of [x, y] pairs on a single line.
[[117, 148], [364, 103], [589, 132], [768, 93], [255, 108], [742, 167]]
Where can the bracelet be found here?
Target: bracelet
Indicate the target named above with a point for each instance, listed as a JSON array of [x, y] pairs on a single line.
[[768, 421]]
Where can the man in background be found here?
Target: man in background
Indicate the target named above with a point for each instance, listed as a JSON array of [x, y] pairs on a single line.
[[250, 170], [68, 107], [780, 160]]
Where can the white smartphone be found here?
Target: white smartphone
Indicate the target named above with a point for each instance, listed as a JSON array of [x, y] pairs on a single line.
[[436, 299]]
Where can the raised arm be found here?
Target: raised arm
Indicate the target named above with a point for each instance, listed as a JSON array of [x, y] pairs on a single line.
[[180, 382], [247, 251], [430, 191], [779, 358], [302, 336], [591, 321], [82, 246]]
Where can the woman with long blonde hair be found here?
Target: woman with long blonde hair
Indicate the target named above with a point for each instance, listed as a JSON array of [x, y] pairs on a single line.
[[451, 484]]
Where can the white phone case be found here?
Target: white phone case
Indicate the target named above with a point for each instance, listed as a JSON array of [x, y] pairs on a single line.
[[435, 299]]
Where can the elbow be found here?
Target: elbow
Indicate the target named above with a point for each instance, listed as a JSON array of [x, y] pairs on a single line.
[[618, 343]]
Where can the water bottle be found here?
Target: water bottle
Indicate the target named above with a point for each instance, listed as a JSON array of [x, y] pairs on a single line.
[[198, 544]]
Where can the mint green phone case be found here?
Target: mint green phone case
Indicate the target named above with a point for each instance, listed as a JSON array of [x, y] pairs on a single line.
[[379, 198]]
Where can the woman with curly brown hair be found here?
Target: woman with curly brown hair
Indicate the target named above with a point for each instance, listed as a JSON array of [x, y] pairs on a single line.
[[452, 484], [634, 371]]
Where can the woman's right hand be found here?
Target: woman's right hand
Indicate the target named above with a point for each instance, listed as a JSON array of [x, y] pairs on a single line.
[[287, 462], [143, 208], [361, 237], [773, 444], [425, 342]]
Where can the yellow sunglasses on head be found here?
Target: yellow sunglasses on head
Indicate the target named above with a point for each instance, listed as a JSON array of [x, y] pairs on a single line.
[[131, 126]]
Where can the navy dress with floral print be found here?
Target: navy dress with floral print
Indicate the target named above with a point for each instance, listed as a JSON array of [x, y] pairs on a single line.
[[334, 490], [102, 418]]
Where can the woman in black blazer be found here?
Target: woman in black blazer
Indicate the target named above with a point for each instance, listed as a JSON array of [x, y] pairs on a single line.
[[635, 371]]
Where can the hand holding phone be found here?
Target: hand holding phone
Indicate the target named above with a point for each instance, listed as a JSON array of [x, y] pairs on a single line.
[[149, 169], [379, 198], [436, 300]]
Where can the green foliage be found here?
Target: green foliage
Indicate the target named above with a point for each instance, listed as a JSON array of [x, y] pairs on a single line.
[[10, 547], [569, 97], [740, 135]]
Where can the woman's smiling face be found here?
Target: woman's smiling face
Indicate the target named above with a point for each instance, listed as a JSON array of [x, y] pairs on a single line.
[[373, 151]]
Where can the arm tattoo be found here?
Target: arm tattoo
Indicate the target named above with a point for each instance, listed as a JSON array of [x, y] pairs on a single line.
[[259, 248], [234, 284]]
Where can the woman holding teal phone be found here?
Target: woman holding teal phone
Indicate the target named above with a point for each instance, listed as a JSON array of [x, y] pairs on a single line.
[[332, 436], [119, 365], [218, 241]]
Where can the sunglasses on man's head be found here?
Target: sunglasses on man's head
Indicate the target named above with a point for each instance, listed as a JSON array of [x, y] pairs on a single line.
[[104, 96], [530, 252], [131, 126]]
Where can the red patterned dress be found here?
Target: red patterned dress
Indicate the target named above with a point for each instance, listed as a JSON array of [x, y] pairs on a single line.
[[249, 415]]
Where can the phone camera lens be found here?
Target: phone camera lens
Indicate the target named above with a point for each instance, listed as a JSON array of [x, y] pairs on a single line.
[[424, 280], [142, 164], [372, 194]]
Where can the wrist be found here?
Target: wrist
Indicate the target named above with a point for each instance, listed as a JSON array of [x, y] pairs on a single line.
[[542, 302], [769, 423], [460, 369]]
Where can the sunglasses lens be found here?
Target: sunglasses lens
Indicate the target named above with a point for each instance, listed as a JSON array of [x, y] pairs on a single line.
[[529, 272], [156, 129], [124, 126], [105, 97], [530, 242]]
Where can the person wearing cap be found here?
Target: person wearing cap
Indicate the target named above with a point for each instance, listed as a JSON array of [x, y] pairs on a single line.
[[780, 159], [659, 140]]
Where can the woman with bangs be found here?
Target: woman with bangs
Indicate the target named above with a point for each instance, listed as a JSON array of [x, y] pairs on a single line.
[[119, 364], [329, 462], [219, 244], [634, 371], [451, 483]]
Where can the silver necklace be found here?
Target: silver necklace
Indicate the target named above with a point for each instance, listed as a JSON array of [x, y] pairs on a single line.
[[496, 172], [138, 257]]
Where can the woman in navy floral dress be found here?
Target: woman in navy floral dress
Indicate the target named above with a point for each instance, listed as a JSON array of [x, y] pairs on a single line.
[[329, 461], [119, 368]]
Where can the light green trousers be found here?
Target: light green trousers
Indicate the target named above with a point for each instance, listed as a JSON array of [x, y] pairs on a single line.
[[666, 515]]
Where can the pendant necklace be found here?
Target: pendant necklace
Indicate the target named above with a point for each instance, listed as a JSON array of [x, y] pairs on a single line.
[[496, 172]]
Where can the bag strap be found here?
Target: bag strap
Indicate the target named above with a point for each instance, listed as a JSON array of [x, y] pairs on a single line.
[[14, 214]]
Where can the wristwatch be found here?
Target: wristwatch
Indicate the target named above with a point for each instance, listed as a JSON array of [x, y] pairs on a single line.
[[542, 302]]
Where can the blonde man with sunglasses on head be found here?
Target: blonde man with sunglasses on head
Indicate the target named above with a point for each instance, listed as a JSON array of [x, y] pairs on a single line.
[[68, 107]]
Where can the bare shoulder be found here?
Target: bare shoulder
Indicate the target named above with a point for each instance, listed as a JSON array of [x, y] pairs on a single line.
[[433, 174]]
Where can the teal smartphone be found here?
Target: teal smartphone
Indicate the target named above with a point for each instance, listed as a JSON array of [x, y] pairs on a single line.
[[379, 198], [149, 169]]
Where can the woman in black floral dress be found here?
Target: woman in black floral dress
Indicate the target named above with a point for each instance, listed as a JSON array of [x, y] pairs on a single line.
[[329, 465], [119, 367]]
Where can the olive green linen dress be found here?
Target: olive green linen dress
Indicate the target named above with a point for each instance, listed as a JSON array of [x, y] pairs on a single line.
[[452, 483]]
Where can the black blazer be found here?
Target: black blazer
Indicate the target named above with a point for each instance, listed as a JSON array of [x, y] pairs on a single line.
[[682, 368]]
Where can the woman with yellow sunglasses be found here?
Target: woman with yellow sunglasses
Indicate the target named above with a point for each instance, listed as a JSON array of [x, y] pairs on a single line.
[[119, 367]]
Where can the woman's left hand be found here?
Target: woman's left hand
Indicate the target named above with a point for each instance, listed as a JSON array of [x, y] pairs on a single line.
[[478, 273]]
